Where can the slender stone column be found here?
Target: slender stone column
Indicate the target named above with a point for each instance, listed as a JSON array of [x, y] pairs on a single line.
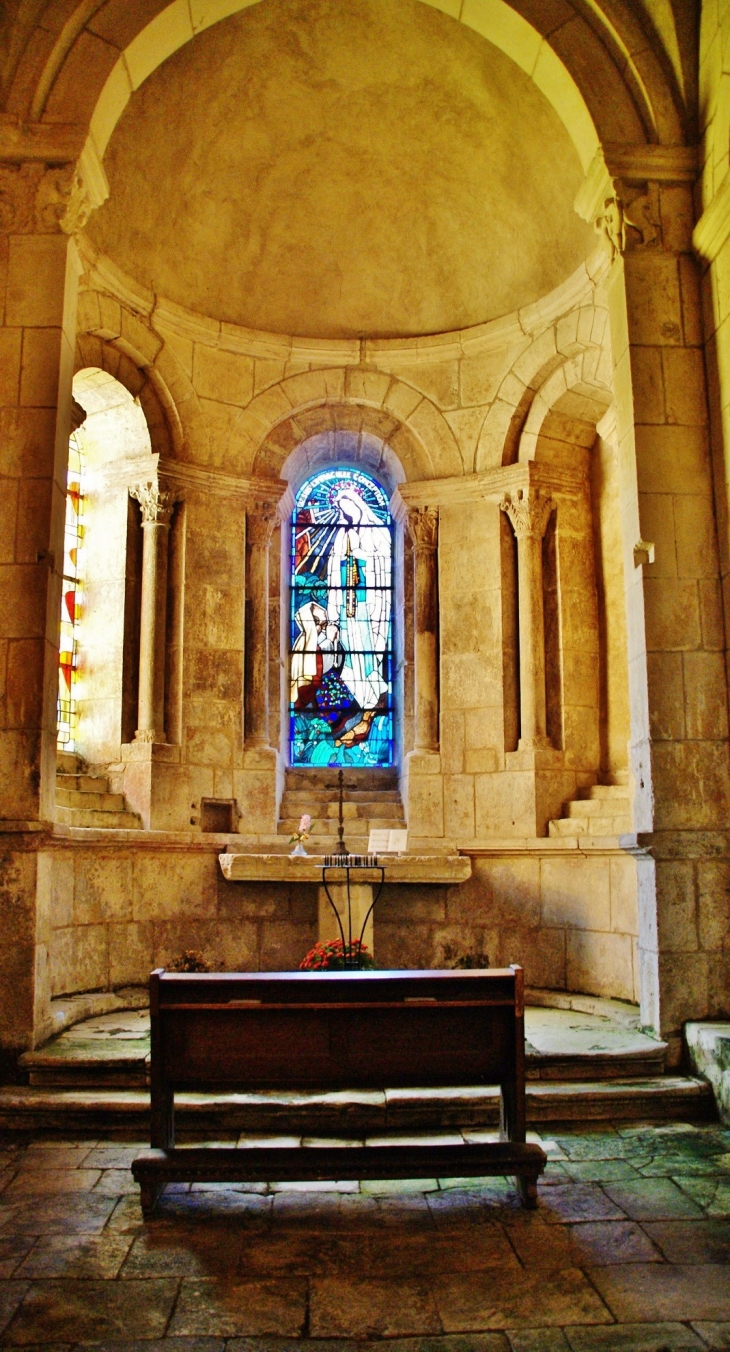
[[260, 522], [423, 526], [157, 506], [529, 513]]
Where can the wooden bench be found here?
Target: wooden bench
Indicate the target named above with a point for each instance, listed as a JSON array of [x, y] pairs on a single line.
[[337, 1030]]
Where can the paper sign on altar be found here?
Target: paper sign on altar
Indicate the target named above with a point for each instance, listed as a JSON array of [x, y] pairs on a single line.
[[387, 842]]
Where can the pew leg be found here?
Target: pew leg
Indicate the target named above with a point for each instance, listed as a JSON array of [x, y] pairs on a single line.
[[150, 1190], [527, 1188]]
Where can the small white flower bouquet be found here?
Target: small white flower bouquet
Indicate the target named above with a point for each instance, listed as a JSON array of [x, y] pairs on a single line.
[[299, 837]]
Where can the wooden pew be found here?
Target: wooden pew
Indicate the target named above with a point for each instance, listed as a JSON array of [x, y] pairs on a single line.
[[337, 1030]]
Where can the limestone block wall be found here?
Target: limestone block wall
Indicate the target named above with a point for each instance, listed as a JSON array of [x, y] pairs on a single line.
[[116, 913], [112, 914], [571, 922]]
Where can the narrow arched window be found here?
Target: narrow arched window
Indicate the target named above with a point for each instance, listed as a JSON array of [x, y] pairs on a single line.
[[341, 700]]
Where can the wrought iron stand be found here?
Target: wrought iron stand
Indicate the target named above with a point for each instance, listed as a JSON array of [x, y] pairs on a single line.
[[349, 864]]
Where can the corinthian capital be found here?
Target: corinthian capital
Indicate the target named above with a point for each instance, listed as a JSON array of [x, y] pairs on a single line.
[[529, 512], [423, 527], [261, 517], [157, 503]]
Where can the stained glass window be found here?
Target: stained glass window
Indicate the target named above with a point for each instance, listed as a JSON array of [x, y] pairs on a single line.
[[71, 597], [341, 709]]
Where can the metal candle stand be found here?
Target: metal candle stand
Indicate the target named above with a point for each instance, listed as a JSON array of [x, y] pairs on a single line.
[[350, 863]]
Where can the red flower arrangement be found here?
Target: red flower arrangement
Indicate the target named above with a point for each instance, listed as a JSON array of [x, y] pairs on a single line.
[[337, 957]]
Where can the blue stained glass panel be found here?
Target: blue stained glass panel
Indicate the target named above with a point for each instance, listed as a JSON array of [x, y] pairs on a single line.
[[341, 663]]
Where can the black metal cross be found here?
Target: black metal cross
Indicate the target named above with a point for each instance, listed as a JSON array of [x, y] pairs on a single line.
[[341, 786]]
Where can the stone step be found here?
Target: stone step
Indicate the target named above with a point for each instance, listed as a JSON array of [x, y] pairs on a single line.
[[110, 821], [82, 783], [597, 791], [90, 802], [303, 799], [350, 811], [590, 826], [304, 778], [133, 1070], [68, 763], [598, 807], [354, 826], [657, 1099]]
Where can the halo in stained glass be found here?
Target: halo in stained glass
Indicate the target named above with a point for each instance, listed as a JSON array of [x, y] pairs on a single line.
[[341, 696]]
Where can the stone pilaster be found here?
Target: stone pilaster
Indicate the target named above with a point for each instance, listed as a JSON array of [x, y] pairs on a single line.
[[46, 195], [423, 525], [261, 517], [643, 208], [259, 782]]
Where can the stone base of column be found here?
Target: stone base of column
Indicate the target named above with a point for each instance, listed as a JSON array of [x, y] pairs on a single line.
[[423, 797], [258, 789], [155, 785], [361, 899], [536, 784]]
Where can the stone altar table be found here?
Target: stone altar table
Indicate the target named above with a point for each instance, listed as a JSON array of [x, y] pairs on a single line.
[[404, 868]]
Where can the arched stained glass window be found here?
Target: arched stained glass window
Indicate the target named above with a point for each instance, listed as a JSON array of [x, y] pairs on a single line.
[[341, 709]]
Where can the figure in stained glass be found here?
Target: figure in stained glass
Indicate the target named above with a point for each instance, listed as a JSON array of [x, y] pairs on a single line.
[[341, 585]]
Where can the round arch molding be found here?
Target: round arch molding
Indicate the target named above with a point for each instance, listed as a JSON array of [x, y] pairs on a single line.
[[277, 421], [607, 78]]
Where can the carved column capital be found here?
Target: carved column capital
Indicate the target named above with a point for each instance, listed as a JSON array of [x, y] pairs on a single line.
[[157, 503], [423, 527], [261, 518], [529, 512]]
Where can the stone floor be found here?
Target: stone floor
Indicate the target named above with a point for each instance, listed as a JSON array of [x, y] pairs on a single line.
[[627, 1252]]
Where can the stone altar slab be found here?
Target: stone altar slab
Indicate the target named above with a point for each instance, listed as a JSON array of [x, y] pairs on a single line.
[[406, 868]]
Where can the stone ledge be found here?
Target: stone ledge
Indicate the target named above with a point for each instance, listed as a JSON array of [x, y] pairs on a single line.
[[549, 845], [436, 869]]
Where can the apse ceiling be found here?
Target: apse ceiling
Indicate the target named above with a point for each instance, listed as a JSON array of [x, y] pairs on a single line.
[[335, 169]]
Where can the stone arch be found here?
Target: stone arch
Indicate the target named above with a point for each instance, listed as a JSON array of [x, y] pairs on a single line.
[[136, 373], [585, 328], [606, 78], [579, 391], [280, 418]]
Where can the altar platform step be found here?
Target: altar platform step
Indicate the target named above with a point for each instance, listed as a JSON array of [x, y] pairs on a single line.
[[562, 1045], [355, 1114]]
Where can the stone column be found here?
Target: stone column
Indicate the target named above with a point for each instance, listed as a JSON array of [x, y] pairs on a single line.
[[260, 522], [157, 506], [423, 523], [529, 513], [642, 205]]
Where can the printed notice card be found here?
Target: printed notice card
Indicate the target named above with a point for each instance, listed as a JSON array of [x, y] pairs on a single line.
[[387, 842]]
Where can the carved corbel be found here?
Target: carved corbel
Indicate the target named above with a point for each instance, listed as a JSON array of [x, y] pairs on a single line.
[[624, 209], [38, 198]]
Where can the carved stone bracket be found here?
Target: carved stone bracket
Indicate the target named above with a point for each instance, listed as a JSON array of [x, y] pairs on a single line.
[[621, 197], [630, 219], [38, 198], [528, 511], [423, 527], [261, 518]]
